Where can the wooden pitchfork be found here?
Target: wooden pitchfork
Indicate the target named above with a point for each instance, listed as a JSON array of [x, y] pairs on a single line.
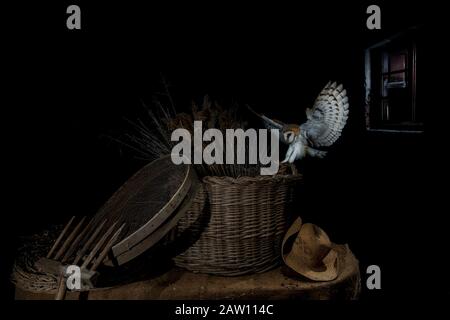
[[79, 246]]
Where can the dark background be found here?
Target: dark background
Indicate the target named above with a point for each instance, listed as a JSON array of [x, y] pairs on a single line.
[[72, 90]]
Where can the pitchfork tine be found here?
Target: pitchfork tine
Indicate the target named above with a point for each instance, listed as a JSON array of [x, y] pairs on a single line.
[[61, 235], [98, 246], [77, 241], [69, 239], [88, 243], [106, 249]]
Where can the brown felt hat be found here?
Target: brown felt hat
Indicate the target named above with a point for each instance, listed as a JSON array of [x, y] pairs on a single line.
[[311, 254]]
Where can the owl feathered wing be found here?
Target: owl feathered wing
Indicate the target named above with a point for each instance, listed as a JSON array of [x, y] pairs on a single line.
[[270, 123], [327, 117]]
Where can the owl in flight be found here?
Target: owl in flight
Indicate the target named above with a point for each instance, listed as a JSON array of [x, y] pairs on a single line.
[[325, 121]]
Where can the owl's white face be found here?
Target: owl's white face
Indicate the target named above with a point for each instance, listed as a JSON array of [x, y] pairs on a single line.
[[289, 136]]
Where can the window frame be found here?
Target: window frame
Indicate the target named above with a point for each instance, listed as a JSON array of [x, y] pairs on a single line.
[[374, 101]]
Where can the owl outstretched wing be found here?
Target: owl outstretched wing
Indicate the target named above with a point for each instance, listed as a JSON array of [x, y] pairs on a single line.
[[270, 123], [327, 117]]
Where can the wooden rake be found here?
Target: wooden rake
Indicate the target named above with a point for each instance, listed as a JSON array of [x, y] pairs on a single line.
[[85, 244]]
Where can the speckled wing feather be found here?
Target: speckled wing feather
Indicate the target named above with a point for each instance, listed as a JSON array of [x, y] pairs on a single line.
[[270, 123], [327, 117]]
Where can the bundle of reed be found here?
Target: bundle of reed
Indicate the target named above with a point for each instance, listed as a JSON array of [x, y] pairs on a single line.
[[24, 273], [152, 138]]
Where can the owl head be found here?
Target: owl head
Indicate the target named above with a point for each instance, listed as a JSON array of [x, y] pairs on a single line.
[[290, 132]]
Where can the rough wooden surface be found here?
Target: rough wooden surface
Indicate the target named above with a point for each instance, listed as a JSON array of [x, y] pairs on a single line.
[[274, 284]]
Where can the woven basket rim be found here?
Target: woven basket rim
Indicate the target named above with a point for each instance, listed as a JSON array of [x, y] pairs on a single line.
[[250, 180]]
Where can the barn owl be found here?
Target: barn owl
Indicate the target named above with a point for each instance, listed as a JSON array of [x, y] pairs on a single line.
[[325, 121]]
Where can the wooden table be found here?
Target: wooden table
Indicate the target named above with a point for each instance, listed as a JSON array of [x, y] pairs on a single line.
[[275, 284]]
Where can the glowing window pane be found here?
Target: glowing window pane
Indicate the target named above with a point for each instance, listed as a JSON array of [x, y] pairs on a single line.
[[397, 62]]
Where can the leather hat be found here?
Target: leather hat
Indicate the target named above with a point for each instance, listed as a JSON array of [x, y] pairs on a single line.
[[311, 254]]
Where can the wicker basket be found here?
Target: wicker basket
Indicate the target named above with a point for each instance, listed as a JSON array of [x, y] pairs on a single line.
[[236, 225]]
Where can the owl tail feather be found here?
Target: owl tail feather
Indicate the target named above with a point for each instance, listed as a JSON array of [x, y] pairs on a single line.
[[316, 153]]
